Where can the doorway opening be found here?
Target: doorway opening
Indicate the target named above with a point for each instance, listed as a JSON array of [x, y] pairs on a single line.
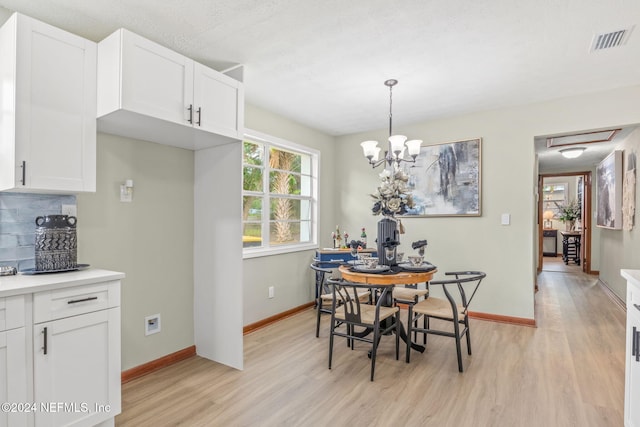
[[564, 242]]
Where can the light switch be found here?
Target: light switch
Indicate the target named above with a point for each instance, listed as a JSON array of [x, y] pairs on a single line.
[[506, 219]]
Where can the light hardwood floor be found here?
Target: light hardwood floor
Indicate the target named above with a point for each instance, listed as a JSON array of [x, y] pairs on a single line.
[[569, 371]]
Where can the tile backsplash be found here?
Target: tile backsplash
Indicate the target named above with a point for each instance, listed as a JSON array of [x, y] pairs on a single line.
[[18, 212]]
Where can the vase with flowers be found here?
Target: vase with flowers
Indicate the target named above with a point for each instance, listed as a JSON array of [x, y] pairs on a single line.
[[569, 213], [391, 198]]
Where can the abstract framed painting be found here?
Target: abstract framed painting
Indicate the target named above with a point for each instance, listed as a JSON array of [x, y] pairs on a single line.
[[609, 192], [446, 180]]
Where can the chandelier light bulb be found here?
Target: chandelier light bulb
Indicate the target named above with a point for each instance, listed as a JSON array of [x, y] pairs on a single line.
[[369, 148], [413, 146], [376, 154], [397, 143]]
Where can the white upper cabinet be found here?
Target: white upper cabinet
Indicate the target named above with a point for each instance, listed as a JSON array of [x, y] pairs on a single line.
[[149, 92], [48, 114]]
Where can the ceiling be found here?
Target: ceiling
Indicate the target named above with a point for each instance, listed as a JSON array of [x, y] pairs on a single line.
[[323, 63]]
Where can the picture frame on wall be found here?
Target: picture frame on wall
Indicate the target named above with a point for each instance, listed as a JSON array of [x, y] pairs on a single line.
[[609, 192], [446, 180]]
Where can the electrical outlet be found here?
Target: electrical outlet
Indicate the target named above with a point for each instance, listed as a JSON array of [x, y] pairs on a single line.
[[152, 324], [272, 291], [70, 210]]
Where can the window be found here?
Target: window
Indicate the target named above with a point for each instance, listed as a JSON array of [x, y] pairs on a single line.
[[279, 196]]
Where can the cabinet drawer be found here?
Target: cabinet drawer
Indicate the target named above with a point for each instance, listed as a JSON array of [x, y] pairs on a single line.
[[12, 312], [60, 303], [549, 233]]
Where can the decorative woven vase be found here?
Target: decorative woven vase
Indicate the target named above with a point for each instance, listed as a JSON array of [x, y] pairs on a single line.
[[56, 243]]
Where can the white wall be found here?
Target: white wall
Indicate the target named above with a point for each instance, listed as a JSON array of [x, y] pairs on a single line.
[[506, 253], [620, 248], [149, 239]]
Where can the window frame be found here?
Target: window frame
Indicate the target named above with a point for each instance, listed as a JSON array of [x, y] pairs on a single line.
[[283, 144]]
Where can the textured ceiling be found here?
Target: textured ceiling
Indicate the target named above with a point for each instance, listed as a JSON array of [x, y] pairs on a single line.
[[323, 62]]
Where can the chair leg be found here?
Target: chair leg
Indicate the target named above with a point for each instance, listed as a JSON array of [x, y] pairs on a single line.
[[319, 308], [331, 340], [376, 339], [425, 325], [466, 324], [456, 327], [398, 335], [409, 323]]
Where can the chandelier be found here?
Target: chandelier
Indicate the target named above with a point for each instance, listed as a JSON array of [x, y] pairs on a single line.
[[397, 144]]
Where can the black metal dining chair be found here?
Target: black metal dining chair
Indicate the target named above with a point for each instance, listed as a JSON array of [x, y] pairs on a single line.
[[447, 309], [353, 313], [324, 293]]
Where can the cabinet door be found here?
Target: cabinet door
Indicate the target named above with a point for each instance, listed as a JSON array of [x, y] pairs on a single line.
[[56, 109], [13, 376], [219, 102], [156, 81], [632, 398], [81, 368]]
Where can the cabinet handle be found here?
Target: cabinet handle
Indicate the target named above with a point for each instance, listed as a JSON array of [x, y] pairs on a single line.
[[637, 340], [24, 172], [75, 301], [199, 116], [634, 338], [190, 113], [44, 331]]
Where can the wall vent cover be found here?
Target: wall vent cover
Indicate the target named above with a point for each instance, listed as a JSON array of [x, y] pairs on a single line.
[[610, 40]]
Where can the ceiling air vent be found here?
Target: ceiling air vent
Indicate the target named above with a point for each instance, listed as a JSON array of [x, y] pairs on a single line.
[[609, 40]]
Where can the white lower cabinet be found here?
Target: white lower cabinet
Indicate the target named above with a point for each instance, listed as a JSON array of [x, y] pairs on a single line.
[[632, 399], [632, 366], [77, 368], [13, 361], [13, 377], [60, 349]]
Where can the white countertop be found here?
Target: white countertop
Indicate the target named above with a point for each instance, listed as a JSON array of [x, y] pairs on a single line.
[[632, 276], [29, 283]]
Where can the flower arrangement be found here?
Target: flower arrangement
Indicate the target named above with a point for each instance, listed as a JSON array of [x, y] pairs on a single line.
[[569, 211], [393, 195]]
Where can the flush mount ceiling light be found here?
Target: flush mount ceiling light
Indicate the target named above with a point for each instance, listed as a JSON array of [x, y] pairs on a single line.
[[572, 153], [397, 144]]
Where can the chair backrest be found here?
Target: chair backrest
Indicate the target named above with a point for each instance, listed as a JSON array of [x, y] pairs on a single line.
[[345, 297], [320, 273], [471, 279]]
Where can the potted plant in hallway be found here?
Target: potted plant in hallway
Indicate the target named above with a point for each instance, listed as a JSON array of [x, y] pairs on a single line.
[[569, 213]]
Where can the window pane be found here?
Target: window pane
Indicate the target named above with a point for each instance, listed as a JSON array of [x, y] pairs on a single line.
[[251, 208], [284, 183], [282, 232], [251, 178], [305, 231], [251, 235], [305, 164], [284, 160], [305, 185], [253, 154], [283, 209]]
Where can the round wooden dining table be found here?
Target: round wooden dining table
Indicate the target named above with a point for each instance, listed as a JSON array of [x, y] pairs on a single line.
[[399, 278], [389, 279]]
